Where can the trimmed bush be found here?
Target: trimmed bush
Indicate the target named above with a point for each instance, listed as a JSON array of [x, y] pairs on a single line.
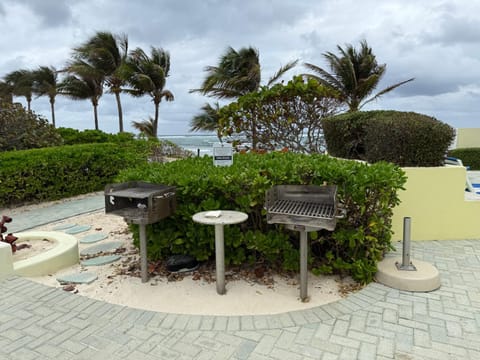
[[470, 157], [21, 129], [368, 192], [403, 138], [74, 136], [58, 172]]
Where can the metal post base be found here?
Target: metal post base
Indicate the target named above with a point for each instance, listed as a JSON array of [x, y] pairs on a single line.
[[407, 267]]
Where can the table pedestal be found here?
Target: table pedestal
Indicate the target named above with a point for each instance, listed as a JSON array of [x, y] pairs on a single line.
[[219, 218], [220, 259]]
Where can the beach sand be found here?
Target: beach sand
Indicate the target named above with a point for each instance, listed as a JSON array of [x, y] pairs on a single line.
[[189, 293]]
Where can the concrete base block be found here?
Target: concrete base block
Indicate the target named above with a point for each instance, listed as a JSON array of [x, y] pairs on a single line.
[[6, 259], [62, 255], [425, 278]]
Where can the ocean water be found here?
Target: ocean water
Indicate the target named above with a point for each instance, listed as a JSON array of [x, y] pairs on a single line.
[[202, 144]]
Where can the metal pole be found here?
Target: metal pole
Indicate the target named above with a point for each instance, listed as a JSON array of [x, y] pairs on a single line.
[[143, 253], [406, 241], [406, 263], [303, 265], [219, 259]]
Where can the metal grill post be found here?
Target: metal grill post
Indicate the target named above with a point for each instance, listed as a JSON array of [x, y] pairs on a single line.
[[406, 263], [303, 265], [143, 252]]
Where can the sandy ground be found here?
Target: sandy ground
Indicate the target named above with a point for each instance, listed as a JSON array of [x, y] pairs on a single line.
[[190, 293]]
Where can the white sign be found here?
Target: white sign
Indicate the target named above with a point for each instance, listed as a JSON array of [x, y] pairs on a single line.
[[222, 154]]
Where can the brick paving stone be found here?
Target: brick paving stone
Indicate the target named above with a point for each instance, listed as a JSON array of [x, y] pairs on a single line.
[[207, 323], [386, 347], [193, 323], [367, 351], [233, 323], [282, 354], [220, 323], [245, 349], [180, 322], [265, 345], [366, 338], [326, 346], [348, 353], [341, 327], [286, 320], [249, 335], [321, 314], [246, 323]]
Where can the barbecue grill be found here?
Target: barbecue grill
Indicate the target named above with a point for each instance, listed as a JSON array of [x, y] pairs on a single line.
[[140, 203], [303, 208]]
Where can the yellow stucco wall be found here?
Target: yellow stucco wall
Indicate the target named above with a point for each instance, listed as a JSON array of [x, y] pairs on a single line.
[[434, 199], [468, 138]]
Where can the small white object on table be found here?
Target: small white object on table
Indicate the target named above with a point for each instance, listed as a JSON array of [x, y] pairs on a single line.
[[219, 218]]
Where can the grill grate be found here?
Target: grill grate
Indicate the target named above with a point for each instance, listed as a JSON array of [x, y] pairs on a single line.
[[302, 208], [311, 206]]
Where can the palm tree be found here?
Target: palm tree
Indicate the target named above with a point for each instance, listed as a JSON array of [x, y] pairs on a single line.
[[6, 93], [82, 87], [354, 74], [22, 83], [147, 75], [207, 120], [145, 127], [45, 82], [107, 53], [237, 73]]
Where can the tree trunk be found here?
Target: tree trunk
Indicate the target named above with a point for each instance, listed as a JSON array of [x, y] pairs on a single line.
[[155, 120], [254, 135], [95, 113], [52, 108], [120, 112]]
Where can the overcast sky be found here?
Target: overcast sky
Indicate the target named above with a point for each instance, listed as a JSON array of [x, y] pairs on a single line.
[[437, 42]]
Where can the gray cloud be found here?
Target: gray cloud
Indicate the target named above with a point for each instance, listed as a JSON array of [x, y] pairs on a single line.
[[436, 42], [52, 13]]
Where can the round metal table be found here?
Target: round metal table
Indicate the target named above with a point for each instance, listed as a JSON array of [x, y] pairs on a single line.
[[219, 218]]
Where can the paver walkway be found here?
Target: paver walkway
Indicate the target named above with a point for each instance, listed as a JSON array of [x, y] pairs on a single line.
[[59, 211], [39, 322]]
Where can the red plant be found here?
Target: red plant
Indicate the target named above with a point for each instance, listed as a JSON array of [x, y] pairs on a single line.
[[9, 238]]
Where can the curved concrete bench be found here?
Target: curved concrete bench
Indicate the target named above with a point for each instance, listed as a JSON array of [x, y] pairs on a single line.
[[62, 255]]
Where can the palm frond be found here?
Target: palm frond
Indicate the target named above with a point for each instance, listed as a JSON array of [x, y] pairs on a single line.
[[386, 90], [280, 72]]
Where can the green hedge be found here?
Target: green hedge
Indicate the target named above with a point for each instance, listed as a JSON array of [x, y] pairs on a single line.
[[21, 129], [74, 137], [58, 172], [359, 241], [470, 157], [403, 138]]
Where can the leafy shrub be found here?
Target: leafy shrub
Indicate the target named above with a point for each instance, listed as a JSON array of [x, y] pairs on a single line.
[[21, 129], [58, 172], [368, 193], [282, 116], [403, 138], [470, 157], [74, 136]]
